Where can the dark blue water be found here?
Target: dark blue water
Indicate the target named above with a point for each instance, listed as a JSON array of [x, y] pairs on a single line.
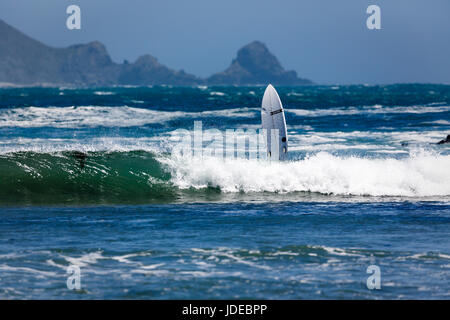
[[90, 178]]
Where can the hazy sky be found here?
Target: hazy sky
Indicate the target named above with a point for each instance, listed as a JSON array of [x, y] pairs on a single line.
[[324, 40]]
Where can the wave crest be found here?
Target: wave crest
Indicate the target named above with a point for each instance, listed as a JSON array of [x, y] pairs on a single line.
[[74, 177], [417, 175]]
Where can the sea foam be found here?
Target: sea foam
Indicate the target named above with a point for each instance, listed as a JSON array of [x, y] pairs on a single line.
[[97, 116], [418, 175]]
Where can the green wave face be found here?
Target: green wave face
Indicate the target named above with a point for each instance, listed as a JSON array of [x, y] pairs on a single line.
[[83, 178]]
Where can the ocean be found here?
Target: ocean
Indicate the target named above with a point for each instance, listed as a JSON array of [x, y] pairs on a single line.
[[92, 178]]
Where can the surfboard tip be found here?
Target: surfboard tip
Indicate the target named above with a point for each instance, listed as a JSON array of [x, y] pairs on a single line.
[[269, 89]]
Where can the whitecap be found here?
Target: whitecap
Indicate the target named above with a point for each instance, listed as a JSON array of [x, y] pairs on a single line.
[[418, 175], [95, 116]]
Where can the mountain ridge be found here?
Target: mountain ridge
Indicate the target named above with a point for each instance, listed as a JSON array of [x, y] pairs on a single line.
[[27, 61]]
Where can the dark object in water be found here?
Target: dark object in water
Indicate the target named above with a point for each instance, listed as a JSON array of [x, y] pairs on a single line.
[[81, 157], [405, 144], [447, 140]]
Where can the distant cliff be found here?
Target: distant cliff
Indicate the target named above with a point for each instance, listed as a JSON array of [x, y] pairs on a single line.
[[25, 61], [256, 65]]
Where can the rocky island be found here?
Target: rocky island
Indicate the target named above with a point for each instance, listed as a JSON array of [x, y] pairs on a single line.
[[255, 64]]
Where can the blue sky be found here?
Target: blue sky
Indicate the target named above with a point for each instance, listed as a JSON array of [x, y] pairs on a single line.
[[324, 40]]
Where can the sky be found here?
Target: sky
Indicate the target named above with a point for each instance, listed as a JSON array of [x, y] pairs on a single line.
[[326, 41]]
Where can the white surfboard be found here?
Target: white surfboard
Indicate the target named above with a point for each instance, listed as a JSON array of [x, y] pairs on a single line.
[[274, 123]]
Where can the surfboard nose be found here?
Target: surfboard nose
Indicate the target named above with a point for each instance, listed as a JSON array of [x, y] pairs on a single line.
[[269, 89], [271, 97]]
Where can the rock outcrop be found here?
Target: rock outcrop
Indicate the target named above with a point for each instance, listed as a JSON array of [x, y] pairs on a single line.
[[255, 64]]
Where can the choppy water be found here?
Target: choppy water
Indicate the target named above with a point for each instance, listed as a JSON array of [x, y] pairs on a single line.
[[89, 177]]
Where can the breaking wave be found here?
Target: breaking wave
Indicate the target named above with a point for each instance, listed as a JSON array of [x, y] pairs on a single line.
[[417, 175], [376, 109], [146, 177], [97, 116], [125, 116]]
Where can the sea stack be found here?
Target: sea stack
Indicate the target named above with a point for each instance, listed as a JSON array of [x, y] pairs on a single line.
[[256, 65]]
